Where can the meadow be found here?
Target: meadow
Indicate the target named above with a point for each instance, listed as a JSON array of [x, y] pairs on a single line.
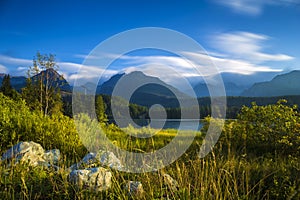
[[256, 157]]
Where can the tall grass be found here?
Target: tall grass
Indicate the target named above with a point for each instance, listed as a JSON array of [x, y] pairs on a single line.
[[230, 171], [218, 176]]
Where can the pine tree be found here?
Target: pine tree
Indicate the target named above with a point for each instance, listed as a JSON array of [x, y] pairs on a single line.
[[7, 89], [30, 94], [100, 110]]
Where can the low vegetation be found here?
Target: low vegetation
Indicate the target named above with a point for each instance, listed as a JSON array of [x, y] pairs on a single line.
[[256, 157]]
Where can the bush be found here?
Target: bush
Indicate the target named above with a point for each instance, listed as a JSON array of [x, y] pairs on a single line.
[[18, 123]]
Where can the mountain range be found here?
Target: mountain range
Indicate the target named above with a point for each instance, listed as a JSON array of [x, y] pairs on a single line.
[[231, 89], [57, 80], [17, 82], [158, 91], [280, 85], [152, 90]]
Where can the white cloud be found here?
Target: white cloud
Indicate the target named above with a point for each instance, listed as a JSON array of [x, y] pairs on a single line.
[[236, 66], [176, 70], [97, 55], [83, 56], [254, 7], [235, 52], [246, 46], [164, 60], [70, 70], [3, 69], [83, 73], [16, 61], [14, 65], [201, 64]]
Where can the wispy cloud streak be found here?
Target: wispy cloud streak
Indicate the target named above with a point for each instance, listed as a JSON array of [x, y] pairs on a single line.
[[247, 46], [3, 69], [254, 7]]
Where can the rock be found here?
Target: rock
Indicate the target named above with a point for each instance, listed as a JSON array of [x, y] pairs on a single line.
[[33, 154], [102, 158], [88, 161], [109, 159], [52, 156], [135, 189], [170, 182], [96, 179], [30, 152]]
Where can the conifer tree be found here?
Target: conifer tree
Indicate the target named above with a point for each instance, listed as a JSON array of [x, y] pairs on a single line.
[[7, 89], [100, 110]]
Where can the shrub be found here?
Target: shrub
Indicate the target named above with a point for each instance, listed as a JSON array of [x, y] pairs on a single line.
[[18, 123]]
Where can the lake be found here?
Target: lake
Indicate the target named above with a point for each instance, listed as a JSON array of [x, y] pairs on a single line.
[[185, 124]]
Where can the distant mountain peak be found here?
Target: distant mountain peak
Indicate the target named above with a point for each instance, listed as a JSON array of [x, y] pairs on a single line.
[[50, 72], [55, 78], [280, 85], [136, 73], [156, 92]]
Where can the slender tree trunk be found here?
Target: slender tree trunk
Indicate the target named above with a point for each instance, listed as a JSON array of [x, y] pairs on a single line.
[[46, 93], [41, 94]]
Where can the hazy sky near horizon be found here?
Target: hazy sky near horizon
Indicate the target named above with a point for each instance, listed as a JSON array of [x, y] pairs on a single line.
[[240, 36]]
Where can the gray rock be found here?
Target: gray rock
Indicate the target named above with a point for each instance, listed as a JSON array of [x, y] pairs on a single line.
[[52, 156], [33, 154], [102, 158], [107, 158], [88, 161], [135, 189], [29, 152], [96, 179]]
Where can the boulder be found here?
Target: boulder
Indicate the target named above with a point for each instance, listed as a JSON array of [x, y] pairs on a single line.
[[88, 161], [33, 154], [29, 152], [102, 158], [52, 156], [95, 179], [107, 158]]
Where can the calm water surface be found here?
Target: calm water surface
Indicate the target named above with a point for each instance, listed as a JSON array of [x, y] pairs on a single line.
[[186, 124]]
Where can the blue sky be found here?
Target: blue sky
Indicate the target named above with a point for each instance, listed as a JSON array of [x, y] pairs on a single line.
[[242, 37]]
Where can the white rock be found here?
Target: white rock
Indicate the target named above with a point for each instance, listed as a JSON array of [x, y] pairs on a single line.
[[33, 154], [96, 179], [29, 152], [107, 158], [102, 158], [88, 161], [52, 156]]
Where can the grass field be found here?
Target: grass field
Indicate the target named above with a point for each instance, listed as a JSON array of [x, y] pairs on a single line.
[[220, 175], [256, 157]]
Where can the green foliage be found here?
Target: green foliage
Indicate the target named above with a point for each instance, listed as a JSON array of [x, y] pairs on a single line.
[[259, 130], [273, 128], [30, 94], [100, 110], [262, 145], [243, 164], [7, 89], [19, 123]]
